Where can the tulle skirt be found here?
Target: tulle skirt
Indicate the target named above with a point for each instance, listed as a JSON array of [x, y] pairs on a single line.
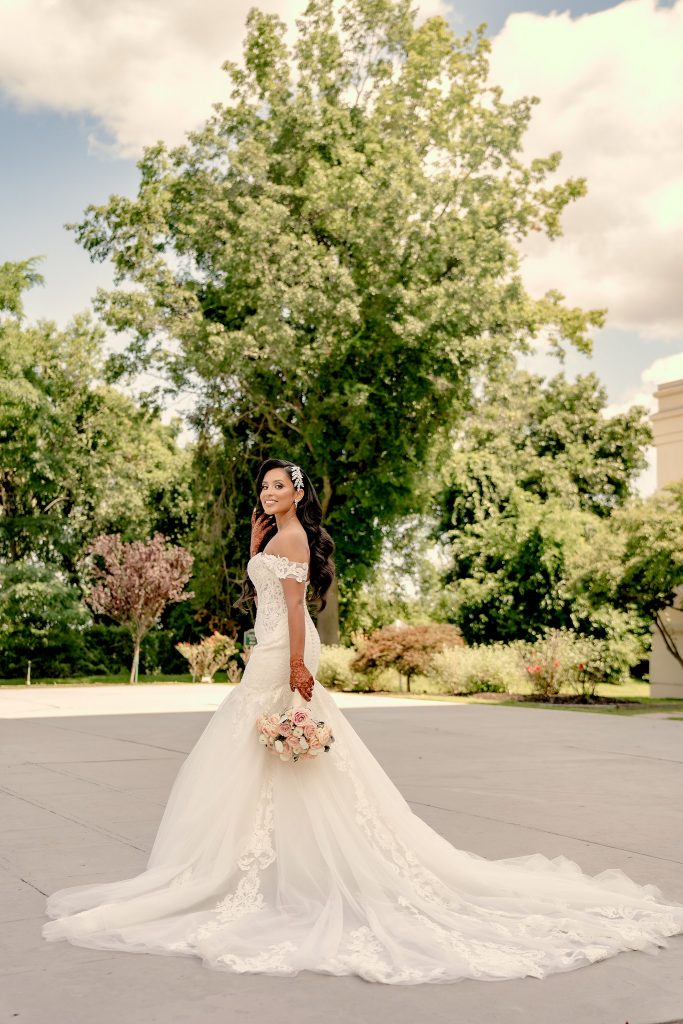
[[264, 866]]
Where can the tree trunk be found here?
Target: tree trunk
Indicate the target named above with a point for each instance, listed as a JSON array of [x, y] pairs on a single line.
[[136, 661], [328, 618]]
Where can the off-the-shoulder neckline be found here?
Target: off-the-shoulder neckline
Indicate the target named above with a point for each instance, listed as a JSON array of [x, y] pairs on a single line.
[[269, 554]]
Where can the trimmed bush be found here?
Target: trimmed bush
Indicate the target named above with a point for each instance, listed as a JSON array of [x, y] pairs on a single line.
[[335, 669], [408, 649], [483, 668]]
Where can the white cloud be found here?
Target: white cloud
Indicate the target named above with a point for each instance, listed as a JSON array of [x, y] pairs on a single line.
[[147, 69], [668, 368], [610, 85]]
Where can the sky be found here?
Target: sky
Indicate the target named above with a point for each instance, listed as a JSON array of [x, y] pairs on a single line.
[[83, 87]]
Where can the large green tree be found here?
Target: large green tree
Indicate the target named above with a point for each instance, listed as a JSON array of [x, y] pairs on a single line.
[[77, 457], [525, 505], [331, 262], [651, 576]]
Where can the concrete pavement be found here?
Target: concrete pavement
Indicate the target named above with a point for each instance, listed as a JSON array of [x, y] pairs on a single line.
[[83, 783]]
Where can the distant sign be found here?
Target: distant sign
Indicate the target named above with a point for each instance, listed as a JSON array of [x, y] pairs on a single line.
[[249, 638]]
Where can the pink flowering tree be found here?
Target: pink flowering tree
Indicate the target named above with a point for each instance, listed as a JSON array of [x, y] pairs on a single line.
[[133, 583]]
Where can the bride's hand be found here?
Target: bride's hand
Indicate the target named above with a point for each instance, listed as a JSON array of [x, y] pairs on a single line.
[[261, 523], [300, 678]]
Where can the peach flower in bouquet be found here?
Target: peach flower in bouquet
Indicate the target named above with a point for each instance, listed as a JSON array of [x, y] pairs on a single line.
[[294, 735]]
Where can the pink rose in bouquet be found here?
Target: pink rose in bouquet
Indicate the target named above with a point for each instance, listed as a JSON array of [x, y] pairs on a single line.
[[294, 735]]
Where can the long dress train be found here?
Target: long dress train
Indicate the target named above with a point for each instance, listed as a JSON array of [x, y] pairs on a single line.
[[266, 866]]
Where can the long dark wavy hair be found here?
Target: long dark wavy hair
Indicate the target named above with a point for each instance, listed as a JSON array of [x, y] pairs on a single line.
[[309, 513]]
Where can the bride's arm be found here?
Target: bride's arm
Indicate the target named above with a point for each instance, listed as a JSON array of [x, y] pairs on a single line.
[[299, 676], [295, 550], [294, 596]]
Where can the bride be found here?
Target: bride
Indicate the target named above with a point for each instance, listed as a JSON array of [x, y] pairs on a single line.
[[262, 865]]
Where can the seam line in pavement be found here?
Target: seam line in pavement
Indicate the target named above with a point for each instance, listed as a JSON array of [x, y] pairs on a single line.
[[546, 831], [624, 753], [75, 821], [121, 739]]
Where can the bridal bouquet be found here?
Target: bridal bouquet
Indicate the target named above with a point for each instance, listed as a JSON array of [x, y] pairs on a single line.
[[294, 735]]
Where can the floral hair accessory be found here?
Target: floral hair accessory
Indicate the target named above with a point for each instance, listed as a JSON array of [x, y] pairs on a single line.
[[297, 477]]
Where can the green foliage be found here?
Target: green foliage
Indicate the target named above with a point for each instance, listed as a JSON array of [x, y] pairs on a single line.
[[15, 279], [331, 264], [42, 620], [76, 457], [647, 575], [527, 499], [485, 668], [335, 669], [403, 586], [652, 563]]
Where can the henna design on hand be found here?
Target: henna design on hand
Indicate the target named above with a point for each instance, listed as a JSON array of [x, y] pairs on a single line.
[[300, 678], [261, 523]]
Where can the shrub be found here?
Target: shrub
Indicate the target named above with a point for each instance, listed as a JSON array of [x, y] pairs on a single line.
[[563, 659], [335, 669], [549, 661], [208, 656], [484, 668], [620, 643], [42, 619], [408, 649]]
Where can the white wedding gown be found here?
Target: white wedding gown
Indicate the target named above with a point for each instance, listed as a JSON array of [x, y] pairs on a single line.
[[261, 865]]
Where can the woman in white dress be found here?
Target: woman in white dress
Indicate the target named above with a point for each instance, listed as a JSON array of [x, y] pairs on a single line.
[[261, 865]]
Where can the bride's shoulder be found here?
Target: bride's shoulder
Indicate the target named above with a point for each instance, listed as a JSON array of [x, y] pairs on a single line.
[[292, 545]]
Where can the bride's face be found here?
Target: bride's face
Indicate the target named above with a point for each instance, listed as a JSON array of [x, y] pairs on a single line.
[[277, 491]]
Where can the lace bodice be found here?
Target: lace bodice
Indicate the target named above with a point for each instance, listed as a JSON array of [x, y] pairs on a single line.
[[265, 571]]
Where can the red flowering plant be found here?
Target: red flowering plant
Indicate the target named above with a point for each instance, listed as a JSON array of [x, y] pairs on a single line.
[[593, 668], [561, 660], [550, 662]]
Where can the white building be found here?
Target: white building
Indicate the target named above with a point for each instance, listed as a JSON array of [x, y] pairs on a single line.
[[666, 674]]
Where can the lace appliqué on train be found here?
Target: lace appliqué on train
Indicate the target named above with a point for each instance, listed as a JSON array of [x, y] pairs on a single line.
[[484, 959], [360, 954], [247, 897], [400, 858], [272, 960]]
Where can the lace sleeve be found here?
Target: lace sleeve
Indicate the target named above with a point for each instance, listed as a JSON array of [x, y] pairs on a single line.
[[285, 568]]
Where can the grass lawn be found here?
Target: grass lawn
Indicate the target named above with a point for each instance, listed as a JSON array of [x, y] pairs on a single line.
[[630, 698], [117, 680]]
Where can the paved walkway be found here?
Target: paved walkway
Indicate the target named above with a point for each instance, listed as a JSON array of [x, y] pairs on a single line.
[[85, 773], [146, 698]]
